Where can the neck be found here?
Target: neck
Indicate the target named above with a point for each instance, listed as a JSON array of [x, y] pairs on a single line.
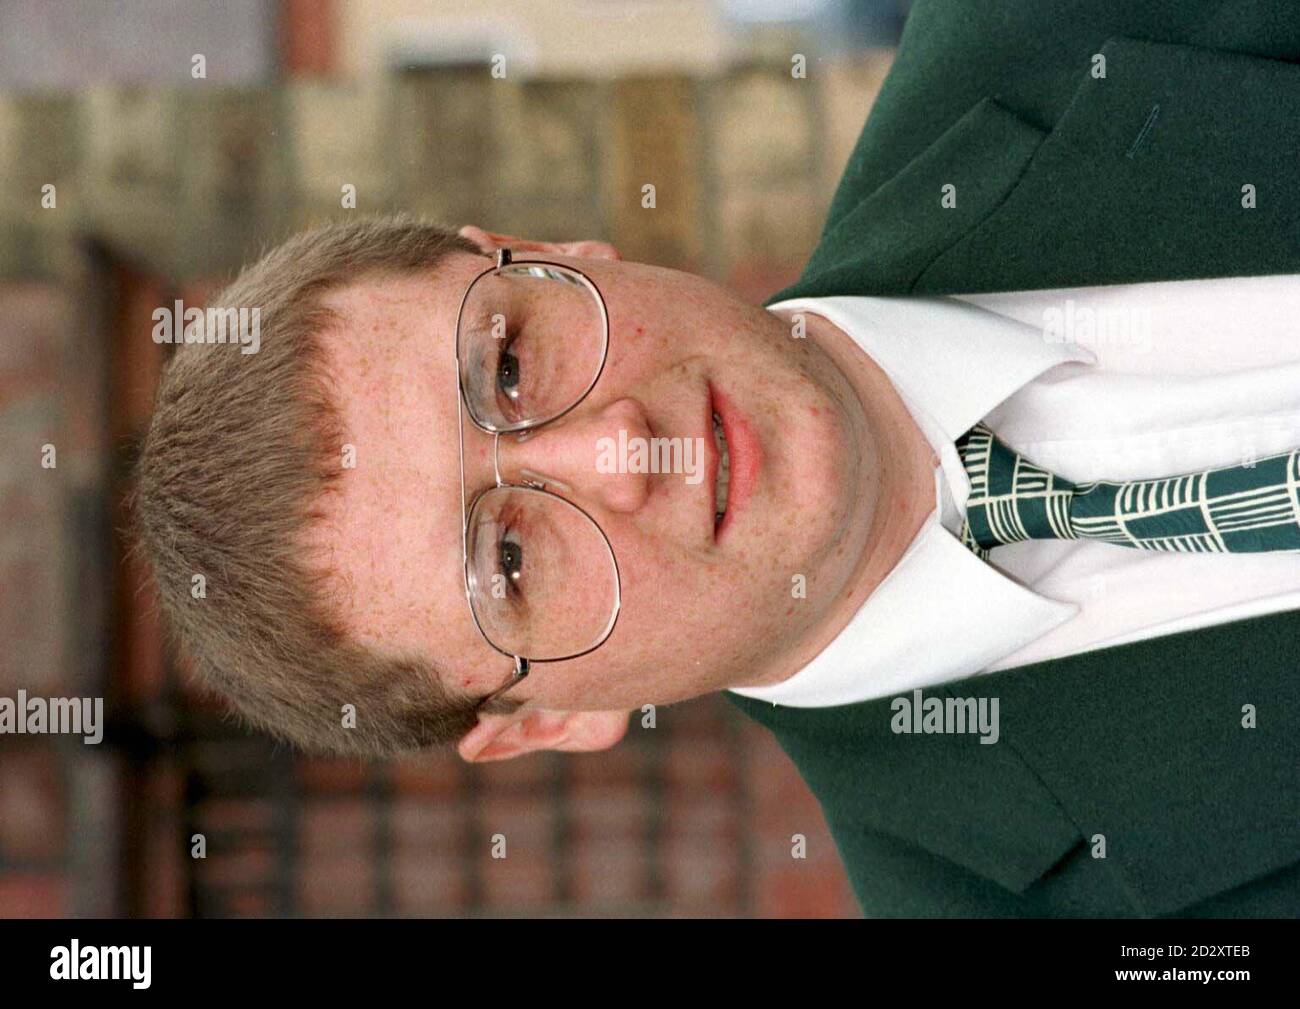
[[906, 484], [895, 480]]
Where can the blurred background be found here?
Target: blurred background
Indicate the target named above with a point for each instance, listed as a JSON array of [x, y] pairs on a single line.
[[164, 182]]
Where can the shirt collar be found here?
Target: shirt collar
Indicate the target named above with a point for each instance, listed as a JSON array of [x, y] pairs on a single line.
[[942, 613]]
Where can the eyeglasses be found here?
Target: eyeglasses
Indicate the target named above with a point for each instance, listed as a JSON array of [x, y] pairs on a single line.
[[540, 575]]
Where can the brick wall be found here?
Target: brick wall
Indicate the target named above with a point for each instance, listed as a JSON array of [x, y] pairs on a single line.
[[51, 518], [162, 193]]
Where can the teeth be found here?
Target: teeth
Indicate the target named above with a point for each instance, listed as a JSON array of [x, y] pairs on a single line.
[[724, 471]]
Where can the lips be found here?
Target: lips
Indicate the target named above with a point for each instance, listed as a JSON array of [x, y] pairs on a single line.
[[739, 459], [722, 478]]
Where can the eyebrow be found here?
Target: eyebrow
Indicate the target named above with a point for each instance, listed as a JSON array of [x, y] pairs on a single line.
[[475, 383]]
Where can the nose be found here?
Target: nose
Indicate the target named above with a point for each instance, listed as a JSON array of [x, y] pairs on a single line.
[[583, 454]]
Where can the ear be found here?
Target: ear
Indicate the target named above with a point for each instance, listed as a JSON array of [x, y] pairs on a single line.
[[500, 737], [490, 241]]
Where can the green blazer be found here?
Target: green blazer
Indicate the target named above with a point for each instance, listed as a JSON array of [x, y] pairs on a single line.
[[1064, 178]]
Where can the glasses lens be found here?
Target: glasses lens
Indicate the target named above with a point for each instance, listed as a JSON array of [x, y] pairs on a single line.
[[530, 342], [542, 580]]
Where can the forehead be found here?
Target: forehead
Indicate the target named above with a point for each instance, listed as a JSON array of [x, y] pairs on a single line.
[[392, 533]]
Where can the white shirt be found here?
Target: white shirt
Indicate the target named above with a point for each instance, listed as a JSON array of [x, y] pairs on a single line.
[[1135, 381]]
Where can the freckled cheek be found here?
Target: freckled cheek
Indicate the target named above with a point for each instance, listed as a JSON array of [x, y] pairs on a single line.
[[642, 348], [655, 583]]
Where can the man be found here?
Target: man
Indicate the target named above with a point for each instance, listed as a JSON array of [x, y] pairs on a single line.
[[407, 536]]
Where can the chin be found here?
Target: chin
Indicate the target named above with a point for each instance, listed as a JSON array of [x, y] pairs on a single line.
[[825, 477]]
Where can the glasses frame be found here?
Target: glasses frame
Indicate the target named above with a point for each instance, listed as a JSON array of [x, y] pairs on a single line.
[[523, 664]]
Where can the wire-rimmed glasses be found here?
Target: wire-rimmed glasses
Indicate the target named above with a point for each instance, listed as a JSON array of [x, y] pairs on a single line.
[[541, 579]]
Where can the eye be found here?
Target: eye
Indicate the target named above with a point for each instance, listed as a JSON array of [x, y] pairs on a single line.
[[508, 369], [511, 560]]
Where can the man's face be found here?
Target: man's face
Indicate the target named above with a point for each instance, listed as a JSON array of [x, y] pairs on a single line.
[[702, 608]]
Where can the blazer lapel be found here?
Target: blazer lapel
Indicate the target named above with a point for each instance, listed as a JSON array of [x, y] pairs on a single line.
[[1155, 172], [1181, 751], [978, 806], [884, 243], [1177, 754]]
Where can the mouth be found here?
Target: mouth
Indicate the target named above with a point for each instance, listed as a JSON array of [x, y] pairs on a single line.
[[739, 458], [722, 479]]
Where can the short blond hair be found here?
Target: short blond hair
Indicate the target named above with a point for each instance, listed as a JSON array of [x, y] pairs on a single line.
[[241, 450]]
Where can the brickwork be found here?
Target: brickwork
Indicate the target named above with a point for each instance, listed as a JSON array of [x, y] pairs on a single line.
[[176, 187]]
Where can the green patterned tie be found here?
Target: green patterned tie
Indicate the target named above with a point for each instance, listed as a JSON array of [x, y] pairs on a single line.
[[1236, 509]]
